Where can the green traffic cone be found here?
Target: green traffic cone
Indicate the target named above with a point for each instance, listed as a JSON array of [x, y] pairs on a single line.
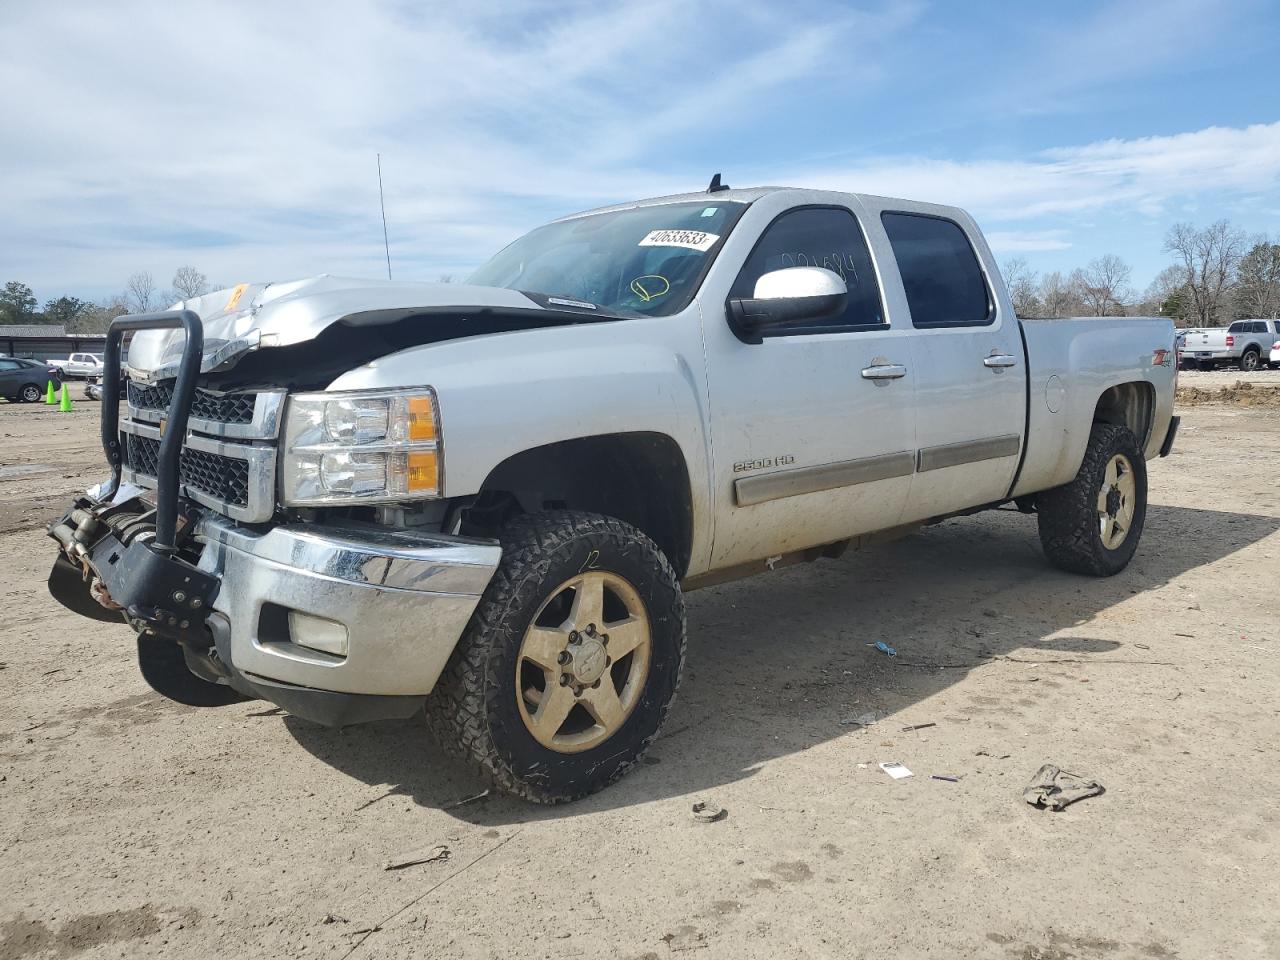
[[49, 398], [64, 402]]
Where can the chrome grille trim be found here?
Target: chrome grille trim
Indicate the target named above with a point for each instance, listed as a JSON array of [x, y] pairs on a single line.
[[260, 504], [268, 409]]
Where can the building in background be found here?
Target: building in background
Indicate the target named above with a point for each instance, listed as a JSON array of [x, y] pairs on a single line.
[[46, 341]]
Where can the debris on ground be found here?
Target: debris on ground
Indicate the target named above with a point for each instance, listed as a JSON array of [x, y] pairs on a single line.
[[862, 720], [1055, 789], [918, 726], [705, 812], [896, 770], [884, 648], [993, 756], [465, 800], [1242, 393], [938, 776], [334, 918], [436, 854]]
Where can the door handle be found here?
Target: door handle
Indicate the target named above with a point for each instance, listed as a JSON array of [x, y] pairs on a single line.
[[884, 371], [998, 360]]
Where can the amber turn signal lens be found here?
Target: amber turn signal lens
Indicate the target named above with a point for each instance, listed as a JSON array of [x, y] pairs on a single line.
[[422, 418], [423, 472]]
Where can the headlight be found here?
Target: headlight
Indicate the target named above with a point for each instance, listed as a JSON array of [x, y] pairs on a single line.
[[367, 446]]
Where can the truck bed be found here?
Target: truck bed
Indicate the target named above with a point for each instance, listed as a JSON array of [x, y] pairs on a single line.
[[1070, 364]]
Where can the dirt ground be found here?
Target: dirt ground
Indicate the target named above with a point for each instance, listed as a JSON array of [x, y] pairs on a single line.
[[133, 827]]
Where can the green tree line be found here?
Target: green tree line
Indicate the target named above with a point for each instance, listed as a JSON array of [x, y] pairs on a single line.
[[18, 303]]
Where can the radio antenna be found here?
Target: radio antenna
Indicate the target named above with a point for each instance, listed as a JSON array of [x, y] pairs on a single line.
[[383, 203]]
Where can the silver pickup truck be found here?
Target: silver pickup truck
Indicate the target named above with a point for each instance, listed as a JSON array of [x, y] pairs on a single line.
[[356, 499]]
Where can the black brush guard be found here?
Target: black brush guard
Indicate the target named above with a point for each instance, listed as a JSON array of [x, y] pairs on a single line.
[[184, 391], [123, 561], [120, 560]]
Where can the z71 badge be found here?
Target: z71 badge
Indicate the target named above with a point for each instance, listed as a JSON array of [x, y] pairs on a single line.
[[745, 466]]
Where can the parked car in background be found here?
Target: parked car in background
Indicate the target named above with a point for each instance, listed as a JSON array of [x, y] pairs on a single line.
[[1245, 342], [1275, 355], [79, 365], [26, 380]]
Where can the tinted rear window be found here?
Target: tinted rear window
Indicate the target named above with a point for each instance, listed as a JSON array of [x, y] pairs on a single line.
[[940, 271]]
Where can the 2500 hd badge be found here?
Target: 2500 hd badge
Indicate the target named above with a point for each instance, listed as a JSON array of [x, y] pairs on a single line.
[[745, 466]]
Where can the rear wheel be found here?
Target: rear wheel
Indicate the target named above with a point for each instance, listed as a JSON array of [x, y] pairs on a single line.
[[1092, 524], [570, 663], [1250, 360]]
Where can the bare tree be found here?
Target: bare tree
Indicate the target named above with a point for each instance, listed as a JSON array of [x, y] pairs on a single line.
[[1257, 291], [1210, 257], [1056, 298], [96, 318], [1103, 285], [140, 291], [1020, 280], [188, 283]]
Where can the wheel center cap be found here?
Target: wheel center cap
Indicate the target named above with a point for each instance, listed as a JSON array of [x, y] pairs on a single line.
[[589, 660]]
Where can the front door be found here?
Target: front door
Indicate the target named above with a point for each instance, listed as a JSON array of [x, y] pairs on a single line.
[[813, 431]]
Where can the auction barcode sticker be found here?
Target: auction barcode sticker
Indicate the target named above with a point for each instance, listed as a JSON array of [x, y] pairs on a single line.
[[689, 239]]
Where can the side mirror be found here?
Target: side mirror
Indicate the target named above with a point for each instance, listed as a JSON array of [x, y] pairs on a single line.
[[790, 297]]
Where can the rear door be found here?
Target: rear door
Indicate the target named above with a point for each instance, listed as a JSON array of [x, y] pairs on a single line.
[[967, 359], [813, 431]]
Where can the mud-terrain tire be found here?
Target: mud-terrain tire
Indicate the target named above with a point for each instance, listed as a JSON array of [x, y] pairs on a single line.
[[487, 705], [1073, 518], [1251, 360], [165, 670]]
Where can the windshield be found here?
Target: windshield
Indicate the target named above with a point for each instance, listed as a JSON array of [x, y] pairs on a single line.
[[646, 260]]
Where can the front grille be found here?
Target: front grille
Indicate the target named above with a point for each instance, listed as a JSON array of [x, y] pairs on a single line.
[[223, 478], [219, 408]]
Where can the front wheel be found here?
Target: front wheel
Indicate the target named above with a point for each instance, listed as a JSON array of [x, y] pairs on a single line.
[[571, 660], [30, 393], [1092, 524]]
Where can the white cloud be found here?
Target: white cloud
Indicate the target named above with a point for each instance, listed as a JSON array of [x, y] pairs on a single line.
[[1027, 241], [241, 136], [1140, 175]]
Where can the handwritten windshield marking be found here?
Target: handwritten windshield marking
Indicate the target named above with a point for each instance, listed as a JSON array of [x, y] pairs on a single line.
[[656, 286]]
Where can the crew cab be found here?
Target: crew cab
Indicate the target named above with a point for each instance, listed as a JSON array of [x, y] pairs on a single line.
[[79, 365], [1245, 342], [357, 499]]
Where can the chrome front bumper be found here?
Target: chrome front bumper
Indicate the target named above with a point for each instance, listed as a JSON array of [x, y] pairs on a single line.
[[403, 599]]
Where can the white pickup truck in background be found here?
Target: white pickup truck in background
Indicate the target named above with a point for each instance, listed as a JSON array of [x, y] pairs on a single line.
[[1246, 343], [356, 498], [78, 365]]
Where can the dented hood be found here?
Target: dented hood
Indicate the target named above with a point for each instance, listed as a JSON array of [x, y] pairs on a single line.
[[258, 315]]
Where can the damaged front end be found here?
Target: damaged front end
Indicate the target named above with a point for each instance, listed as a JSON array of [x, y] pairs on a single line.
[[336, 618], [124, 559]]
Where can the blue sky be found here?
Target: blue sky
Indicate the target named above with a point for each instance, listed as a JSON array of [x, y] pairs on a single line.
[[147, 134]]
